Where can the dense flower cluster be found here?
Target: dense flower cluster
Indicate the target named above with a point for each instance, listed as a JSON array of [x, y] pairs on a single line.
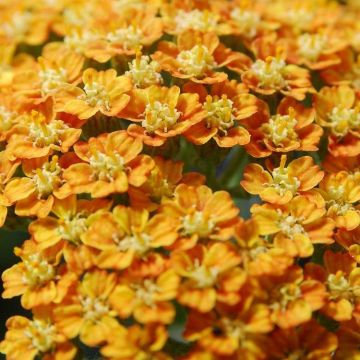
[[132, 134]]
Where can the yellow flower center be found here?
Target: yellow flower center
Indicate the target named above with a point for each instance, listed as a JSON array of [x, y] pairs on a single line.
[[159, 186], [285, 294], [196, 223], [18, 25], [106, 166], [247, 21], [6, 118], [339, 206], [43, 133], [195, 20], [219, 113], [78, 41], [203, 276], [300, 18], [94, 308], [137, 242], [196, 62], [144, 72], [233, 328], [145, 292], [270, 73], [47, 178], [283, 181], [42, 334], [52, 79], [344, 120], [280, 129], [37, 271], [159, 116], [129, 37], [290, 226], [96, 95], [71, 229], [311, 45]]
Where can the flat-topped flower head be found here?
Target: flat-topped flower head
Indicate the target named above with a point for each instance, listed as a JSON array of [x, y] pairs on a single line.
[[225, 105], [200, 214], [278, 185], [143, 71], [109, 164], [39, 336], [338, 110], [297, 225], [68, 223], [341, 192], [38, 133], [87, 312], [272, 74], [34, 193], [205, 271], [290, 128], [103, 92], [125, 33], [38, 278], [342, 280], [163, 113], [197, 56], [292, 298], [147, 299], [127, 238], [138, 342]]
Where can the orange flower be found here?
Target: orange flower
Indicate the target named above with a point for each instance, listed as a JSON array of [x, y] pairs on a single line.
[[310, 341], [39, 133], [338, 110], [291, 298], [200, 214], [7, 170], [350, 164], [72, 221], [129, 30], [316, 51], [272, 74], [197, 56], [345, 73], [103, 92], [342, 279], [128, 237], [259, 256], [48, 77], [210, 275], [350, 240], [348, 335], [9, 116], [238, 330], [291, 128], [35, 193], [341, 192], [224, 105], [29, 339], [38, 278], [111, 162], [136, 342], [143, 71], [86, 311], [161, 183], [297, 225], [147, 299], [279, 185], [163, 113]]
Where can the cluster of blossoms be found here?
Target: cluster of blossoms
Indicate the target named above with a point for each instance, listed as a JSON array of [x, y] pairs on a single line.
[[132, 133]]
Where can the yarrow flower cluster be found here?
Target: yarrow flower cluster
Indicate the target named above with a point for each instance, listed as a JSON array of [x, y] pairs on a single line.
[[132, 135]]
